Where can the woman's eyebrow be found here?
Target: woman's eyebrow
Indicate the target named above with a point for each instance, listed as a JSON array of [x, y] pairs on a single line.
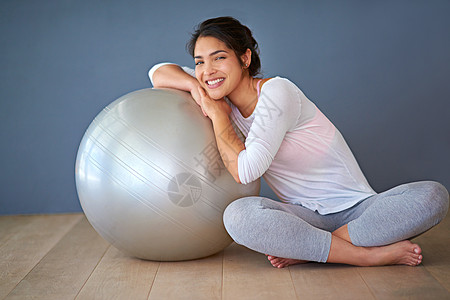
[[211, 54]]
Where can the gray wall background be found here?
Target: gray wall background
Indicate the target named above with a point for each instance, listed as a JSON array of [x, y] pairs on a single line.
[[379, 70]]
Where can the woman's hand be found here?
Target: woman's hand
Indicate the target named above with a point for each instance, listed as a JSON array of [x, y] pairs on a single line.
[[197, 97], [210, 107]]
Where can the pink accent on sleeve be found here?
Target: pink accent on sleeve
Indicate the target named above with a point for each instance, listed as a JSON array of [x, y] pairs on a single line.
[[257, 87]]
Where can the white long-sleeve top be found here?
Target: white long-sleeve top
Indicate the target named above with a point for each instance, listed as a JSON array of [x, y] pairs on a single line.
[[299, 152]]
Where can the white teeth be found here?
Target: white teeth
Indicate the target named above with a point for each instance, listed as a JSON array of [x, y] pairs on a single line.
[[214, 81]]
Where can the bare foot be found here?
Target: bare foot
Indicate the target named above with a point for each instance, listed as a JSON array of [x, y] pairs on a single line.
[[400, 253], [279, 262]]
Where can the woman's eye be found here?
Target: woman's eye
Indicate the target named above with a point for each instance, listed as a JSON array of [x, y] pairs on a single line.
[[198, 63], [220, 57]]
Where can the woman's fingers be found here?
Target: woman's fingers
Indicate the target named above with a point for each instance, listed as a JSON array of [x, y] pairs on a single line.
[[201, 91], [202, 94], [204, 112], [211, 107], [203, 97]]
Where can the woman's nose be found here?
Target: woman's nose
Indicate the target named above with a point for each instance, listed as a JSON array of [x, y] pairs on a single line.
[[209, 69]]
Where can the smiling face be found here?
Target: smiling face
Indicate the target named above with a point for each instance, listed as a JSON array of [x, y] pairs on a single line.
[[217, 67]]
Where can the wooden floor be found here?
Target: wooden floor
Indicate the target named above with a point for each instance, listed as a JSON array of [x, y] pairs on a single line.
[[62, 257]]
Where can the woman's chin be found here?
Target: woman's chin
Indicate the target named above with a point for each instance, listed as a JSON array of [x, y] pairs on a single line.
[[215, 95]]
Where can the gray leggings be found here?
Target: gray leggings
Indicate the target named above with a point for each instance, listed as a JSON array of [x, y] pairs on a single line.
[[292, 231]]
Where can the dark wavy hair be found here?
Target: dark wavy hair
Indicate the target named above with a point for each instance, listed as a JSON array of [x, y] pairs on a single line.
[[236, 36]]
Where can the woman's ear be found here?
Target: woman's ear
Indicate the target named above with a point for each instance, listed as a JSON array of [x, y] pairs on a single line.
[[246, 58]]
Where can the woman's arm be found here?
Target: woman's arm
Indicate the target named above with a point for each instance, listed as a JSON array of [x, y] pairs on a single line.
[[173, 76], [228, 142], [277, 112]]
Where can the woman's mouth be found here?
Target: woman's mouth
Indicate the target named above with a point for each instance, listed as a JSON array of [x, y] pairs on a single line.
[[212, 84]]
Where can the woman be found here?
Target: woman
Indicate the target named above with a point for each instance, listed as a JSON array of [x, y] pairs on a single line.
[[329, 211]]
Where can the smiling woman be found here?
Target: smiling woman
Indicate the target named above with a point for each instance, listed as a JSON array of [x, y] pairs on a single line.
[[330, 212], [234, 35], [219, 71]]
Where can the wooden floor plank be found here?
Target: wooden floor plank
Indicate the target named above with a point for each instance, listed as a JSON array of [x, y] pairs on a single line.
[[249, 275], [402, 282], [119, 276], [435, 246], [11, 225], [329, 281], [66, 267], [26, 240], [195, 279]]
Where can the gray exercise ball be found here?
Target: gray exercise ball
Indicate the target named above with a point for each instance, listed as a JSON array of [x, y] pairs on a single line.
[[150, 178]]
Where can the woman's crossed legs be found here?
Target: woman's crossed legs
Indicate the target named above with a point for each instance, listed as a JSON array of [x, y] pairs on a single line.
[[373, 232]]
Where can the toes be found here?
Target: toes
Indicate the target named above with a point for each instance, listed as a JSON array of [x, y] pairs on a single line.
[[279, 262], [417, 249], [273, 258], [419, 261], [275, 264], [414, 260], [275, 261]]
